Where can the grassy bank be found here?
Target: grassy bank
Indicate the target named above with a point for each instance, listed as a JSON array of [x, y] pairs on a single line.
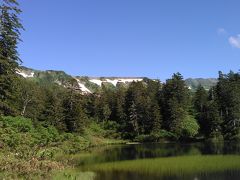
[[172, 166], [31, 150]]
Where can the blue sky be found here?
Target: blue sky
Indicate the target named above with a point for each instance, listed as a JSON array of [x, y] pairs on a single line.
[[152, 38]]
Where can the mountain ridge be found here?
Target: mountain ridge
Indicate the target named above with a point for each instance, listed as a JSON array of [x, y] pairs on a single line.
[[92, 84]]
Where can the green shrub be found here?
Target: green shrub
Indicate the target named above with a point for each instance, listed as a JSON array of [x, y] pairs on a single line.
[[95, 129], [158, 136], [47, 153], [46, 135], [19, 123], [110, 129], [18, 131], [189, 127]]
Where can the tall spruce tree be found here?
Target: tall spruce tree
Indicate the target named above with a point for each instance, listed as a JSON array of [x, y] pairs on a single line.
[[156, 118], [212, 120], [120, 113], [176, 103], [74, 113], [153, 90], [228, 99], [200, 106], [134, 117], [137, 95], [10, 27], [53, 107]]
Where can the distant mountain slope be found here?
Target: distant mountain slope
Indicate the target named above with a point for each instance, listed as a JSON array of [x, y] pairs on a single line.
[[83, 83], [206, 83], [93, 84]]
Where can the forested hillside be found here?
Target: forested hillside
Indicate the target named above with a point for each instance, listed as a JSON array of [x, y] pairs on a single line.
[[93, 84], [145, 110]]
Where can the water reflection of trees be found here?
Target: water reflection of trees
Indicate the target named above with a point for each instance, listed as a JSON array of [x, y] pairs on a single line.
[[141, 151], [220, 148]]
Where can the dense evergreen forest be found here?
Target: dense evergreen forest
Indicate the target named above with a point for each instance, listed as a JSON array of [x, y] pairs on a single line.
[[149, 110]]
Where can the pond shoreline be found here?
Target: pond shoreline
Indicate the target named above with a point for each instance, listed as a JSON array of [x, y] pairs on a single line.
[[146, 158], [62, 161]]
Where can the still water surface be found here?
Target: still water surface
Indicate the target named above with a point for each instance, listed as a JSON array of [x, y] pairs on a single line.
[[114, 155]]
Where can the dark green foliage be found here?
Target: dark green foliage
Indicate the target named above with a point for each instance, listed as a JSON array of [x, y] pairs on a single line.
[[143, 111], [135, 109], [29, 99], [227, 94], [74, 113], [158, 136], [156, 117], [134, 118], [153, 90], [176, 102], [213, 121], [19, 132], [10, 27], [53, 113], [120, 106], [201, 106], [138, 109]]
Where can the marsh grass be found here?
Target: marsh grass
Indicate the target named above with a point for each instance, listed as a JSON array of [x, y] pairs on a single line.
[[73, 174], [172, 166]]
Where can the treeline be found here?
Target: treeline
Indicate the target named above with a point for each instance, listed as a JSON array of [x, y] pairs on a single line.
[[144, 111], [153, 110], [218, 110]]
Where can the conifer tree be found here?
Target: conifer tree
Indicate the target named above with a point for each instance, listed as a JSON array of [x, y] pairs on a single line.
[[228, 100], [53, 112], [120, 106], [10, 27], [200, 105], [212, 120], [74, 113], [176, 103], [156, 118], [134, 118], [153, 91]]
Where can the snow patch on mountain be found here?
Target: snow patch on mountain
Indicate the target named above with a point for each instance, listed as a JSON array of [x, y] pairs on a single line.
[[114, 81], [129, 80], [26, 75], [58, 82], [96, 81], [83, 88]]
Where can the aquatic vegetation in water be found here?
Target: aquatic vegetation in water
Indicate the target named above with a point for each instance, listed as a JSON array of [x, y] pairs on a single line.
[[171, 166]]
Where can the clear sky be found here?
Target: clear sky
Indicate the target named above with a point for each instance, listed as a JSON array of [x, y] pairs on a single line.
[[152, 38]]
